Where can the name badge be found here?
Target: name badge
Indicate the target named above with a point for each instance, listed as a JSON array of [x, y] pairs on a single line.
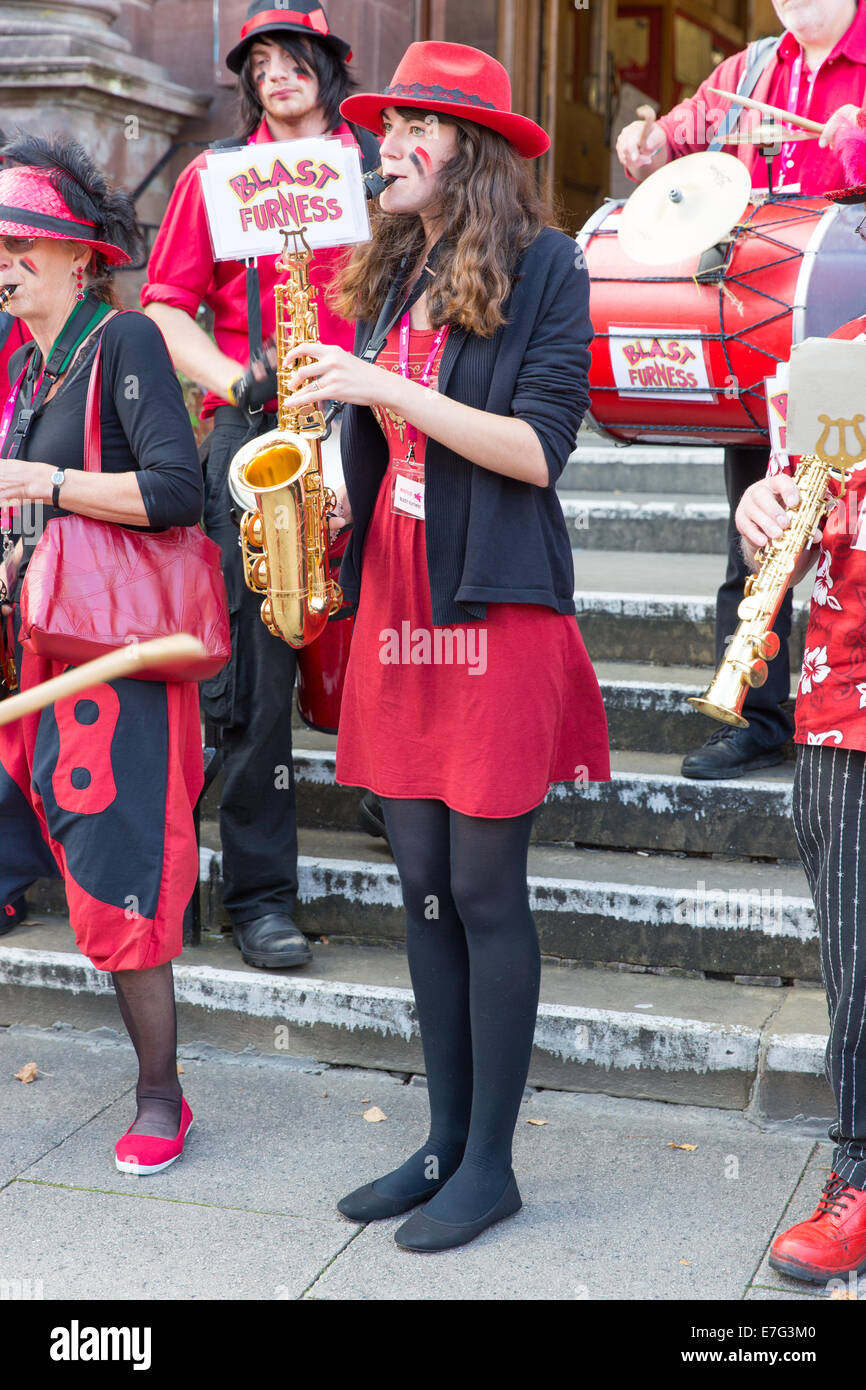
[[408, 496]]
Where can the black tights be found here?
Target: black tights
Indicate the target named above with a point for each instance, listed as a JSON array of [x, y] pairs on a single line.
[[146, 1002], [475, 967]]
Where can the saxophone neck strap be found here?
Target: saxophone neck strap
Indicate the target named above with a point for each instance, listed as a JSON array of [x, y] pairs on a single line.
[[399, 303]]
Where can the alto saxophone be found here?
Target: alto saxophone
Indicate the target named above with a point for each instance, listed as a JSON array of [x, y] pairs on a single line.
[[754, 643], [285, 540]]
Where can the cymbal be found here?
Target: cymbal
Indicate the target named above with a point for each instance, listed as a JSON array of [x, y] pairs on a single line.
[[684, 208], [768, 135]]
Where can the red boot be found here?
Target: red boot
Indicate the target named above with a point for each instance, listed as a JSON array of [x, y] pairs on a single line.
[[832, 1241]]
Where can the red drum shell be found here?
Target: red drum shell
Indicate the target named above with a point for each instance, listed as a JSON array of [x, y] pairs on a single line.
[[322, 665], [795, 268]]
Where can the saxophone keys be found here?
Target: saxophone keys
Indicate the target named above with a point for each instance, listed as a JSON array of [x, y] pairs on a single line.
[[756, 674], [767, 646]]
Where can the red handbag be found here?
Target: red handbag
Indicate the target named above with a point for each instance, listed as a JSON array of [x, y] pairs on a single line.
[[94, 586]]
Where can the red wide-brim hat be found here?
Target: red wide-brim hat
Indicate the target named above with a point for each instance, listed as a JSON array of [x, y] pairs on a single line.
[[30, 205], [293, 16], [455, 80]]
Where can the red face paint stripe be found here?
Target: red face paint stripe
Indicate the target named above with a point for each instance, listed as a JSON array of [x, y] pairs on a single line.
[[28, 265], [418, 154]]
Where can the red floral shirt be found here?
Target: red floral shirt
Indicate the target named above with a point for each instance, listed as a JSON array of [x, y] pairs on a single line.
[[831, 697]]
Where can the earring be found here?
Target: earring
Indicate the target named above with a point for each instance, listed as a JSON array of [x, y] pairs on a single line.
[[79, 284]]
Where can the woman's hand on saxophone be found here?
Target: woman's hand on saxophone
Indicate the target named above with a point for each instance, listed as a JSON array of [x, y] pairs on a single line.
[[342, 513], [335, 375]]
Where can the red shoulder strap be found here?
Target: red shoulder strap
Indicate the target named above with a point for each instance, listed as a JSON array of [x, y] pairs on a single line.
[[92, 422]]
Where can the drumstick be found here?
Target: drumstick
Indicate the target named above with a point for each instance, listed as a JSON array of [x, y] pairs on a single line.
[[647, 115], [136, 656], [789, 116]]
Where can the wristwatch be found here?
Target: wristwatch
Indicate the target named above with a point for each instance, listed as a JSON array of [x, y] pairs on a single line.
[[58, 478]]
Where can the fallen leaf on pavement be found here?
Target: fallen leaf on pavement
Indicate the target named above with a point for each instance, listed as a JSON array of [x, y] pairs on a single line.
[[27, 1073], [179, 1069], [366, 1100], [685, 1262], [374, 1115], [844, 1293], [324, 941], [689, 1148], [536, 1122]]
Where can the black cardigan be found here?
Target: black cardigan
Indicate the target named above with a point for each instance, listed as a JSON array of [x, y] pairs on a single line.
[[492, 539]]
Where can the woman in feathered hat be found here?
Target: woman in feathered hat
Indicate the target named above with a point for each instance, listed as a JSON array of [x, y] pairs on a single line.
[[99, 790], [469, 691]]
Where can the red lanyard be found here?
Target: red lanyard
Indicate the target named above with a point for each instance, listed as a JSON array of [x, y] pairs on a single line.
[[426, 375]]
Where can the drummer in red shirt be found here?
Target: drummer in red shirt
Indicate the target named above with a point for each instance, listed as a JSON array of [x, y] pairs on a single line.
[[293, 75], [817, 69]]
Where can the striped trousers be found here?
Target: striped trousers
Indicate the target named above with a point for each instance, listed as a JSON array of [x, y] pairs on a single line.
[[829, 809]]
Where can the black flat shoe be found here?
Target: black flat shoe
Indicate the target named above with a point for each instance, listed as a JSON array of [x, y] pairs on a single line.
[[422, 1233], [272, 942], [366, 1205], [730, 752]]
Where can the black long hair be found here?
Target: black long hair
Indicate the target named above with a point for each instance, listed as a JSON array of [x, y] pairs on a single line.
[[88, 195], [317, 57]]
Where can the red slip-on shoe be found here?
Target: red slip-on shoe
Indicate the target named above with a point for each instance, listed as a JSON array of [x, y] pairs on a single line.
[[148, 1153], [832, 1241]]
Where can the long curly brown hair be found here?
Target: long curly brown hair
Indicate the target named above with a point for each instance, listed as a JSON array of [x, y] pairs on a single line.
[[493, 210]]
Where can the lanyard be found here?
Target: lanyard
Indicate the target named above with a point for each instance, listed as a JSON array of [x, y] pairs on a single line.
[[789, 149], [9, 412], [426, 375]]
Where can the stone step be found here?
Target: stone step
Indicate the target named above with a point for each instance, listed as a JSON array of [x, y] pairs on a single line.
[[646, 805], [647, 706], [657, 1037], [660, 522], [592, 907], [659, 608], [644, 468]]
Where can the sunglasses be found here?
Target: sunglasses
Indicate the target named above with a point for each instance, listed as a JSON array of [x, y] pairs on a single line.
[[17, 245]]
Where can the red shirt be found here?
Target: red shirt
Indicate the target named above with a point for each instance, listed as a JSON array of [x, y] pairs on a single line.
[[840, 81], [831, 697], [183, 273]]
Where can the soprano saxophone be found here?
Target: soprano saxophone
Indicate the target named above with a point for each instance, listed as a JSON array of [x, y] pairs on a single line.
[[754, 643], [285, 539]]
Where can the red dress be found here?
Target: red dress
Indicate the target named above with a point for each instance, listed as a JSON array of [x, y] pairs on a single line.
[[483, 716]]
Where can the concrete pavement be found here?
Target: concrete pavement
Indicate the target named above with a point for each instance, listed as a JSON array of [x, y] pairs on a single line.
[[611, 1210]]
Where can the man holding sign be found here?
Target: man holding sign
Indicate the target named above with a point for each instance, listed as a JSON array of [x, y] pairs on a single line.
[[293, 75]]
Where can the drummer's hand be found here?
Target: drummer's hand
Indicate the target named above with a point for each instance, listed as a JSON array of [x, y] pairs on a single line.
[[844, 117], [636, 158], [342, 516], [761, 516], [334, 375]]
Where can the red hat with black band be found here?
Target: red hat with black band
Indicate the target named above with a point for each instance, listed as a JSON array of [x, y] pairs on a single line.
[[303, 17], [30, 205], [456, 80]]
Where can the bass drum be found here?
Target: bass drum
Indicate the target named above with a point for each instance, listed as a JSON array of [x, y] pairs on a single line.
[[322, 665], [681, 351]]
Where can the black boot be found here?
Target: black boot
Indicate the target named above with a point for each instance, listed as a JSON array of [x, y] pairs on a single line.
[[272, 942]]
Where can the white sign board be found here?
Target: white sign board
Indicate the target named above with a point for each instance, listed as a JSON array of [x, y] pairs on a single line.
[[826, 408], [255, 192], [659, 362]]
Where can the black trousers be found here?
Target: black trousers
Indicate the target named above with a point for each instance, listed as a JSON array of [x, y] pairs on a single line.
[[252, 700], [829, 796], [768, 723]]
